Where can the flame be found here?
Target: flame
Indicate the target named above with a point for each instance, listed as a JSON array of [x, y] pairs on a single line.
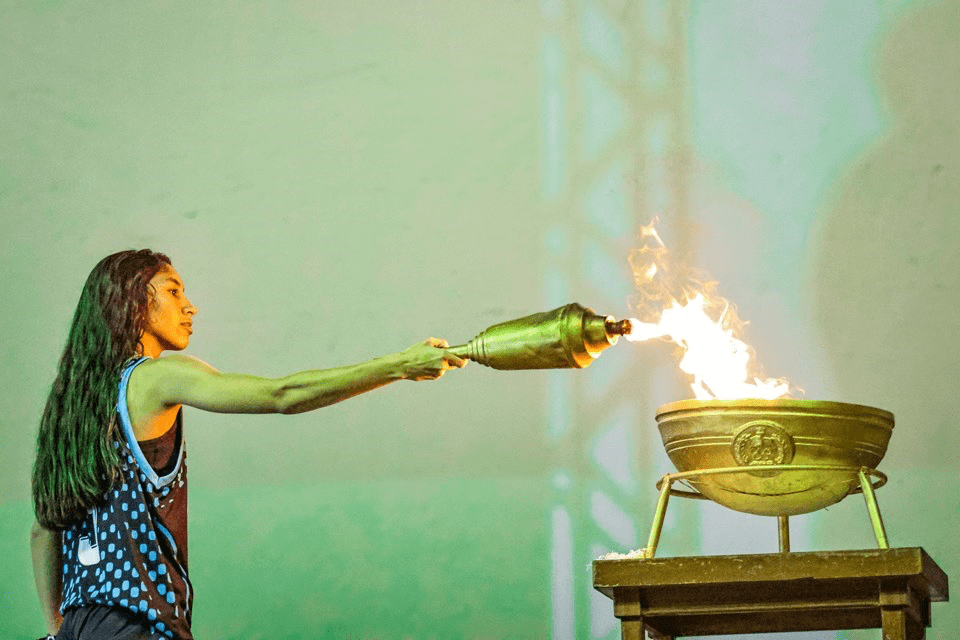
[[677, 306]]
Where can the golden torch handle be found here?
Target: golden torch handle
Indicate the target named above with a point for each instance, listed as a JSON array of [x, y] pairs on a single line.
[[460, 350]]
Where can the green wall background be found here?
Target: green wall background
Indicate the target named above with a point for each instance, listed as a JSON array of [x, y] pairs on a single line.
[[336, 181]]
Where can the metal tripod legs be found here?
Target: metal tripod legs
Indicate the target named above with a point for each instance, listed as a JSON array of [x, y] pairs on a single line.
[[862, 474]]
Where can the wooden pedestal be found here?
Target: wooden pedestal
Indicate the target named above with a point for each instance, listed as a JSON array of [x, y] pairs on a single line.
[[673, 597]]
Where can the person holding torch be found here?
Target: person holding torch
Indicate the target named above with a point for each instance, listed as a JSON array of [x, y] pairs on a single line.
[[109, 485]]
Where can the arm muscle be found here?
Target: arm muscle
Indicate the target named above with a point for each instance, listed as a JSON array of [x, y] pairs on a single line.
[[179, 379]]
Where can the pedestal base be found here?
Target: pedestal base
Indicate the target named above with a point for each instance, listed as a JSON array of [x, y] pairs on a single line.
[[708, 595]]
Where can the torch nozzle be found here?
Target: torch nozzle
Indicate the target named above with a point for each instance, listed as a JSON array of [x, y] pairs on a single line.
[[618, 327]]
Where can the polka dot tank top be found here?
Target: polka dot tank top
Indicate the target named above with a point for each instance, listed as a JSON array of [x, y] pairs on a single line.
[[131, 551]]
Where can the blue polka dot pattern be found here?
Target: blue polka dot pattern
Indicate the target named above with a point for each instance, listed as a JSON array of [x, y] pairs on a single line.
[[126, 553]]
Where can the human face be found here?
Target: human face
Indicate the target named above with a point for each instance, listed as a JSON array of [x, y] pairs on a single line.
[[170, 318]]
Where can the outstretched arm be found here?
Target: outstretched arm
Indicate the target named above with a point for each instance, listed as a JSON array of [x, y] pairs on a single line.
[[46, 552], [180, 379]]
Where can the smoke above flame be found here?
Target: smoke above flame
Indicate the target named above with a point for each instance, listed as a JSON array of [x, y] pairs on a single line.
[[674, 303]]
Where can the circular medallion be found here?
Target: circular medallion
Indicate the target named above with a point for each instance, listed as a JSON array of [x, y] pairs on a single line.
[[762, 443]]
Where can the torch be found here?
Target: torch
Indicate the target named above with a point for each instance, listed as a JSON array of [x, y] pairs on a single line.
[[570, 337]]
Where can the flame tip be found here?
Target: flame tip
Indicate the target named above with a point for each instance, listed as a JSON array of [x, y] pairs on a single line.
[[718, 361]]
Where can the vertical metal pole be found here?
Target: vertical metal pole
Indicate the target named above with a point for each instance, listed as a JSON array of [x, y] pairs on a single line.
[[873, 509], [658, 517], [784, 530]]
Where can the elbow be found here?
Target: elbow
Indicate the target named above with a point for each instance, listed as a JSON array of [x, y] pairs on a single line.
[[289, 399], [290, 407], [286, 400], [283, 396], [286, 407], [283, 401], [37, 531], [40, 536]]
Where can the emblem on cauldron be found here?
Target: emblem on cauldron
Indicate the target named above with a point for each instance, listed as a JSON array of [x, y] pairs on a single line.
[[762, 443]]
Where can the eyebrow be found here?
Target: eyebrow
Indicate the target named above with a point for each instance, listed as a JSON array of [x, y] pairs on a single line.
[[175, 281]]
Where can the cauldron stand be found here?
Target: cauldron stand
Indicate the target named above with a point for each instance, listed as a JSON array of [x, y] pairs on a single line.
[[709, 595], [673, 597]]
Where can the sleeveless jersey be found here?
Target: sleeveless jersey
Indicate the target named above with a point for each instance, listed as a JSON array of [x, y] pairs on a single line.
[[130, 551]]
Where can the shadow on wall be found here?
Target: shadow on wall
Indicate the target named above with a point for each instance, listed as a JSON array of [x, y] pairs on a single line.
[[888, 266]]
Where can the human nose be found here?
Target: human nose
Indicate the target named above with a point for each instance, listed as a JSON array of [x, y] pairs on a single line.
[[189, 308]]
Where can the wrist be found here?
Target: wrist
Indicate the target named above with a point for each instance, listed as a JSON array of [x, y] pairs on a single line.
[[392, 366]]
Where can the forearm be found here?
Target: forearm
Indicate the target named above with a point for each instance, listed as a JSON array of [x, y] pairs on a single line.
[[46, 551], [310, 390]]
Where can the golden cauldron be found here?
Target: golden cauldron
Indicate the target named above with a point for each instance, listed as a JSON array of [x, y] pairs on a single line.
[[773, 457]]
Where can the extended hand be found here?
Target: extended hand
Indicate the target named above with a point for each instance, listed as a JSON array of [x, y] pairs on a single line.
[[428, 360]]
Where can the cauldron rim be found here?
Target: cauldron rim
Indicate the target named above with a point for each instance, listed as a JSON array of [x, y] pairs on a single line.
[[802, 405]]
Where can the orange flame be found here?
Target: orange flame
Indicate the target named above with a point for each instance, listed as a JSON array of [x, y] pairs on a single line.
[[675, 305]]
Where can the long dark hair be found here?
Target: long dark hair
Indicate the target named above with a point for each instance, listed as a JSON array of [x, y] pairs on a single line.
[[76, 460]]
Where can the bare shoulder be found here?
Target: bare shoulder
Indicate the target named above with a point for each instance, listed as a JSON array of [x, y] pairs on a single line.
[[166, 381], [169, 368], [179, 360]]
